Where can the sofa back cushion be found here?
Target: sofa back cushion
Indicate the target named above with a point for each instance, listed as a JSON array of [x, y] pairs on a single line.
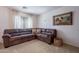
[[12, 31], [25, 30], [48, 31], [9, 31]]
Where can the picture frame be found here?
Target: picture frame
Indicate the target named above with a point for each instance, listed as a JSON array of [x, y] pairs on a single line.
[[63, 19]]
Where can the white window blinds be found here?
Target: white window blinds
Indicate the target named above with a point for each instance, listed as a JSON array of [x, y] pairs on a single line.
[[21, 22]]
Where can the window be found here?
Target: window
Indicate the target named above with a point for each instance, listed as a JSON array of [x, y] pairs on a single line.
[[21, 22]]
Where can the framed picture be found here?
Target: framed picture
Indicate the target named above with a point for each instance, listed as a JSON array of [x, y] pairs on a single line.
[[63, 19]]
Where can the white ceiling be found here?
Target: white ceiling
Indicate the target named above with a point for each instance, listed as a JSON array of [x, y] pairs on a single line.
[[35, 9]]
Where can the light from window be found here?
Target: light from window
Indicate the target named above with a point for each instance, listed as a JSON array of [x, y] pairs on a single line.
[[21, 22]]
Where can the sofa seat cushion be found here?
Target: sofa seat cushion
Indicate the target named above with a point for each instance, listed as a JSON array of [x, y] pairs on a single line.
[[42, 35], [38, 34], [47, 33], [27, 35], [21, 36], [14, 34], [21, 33]]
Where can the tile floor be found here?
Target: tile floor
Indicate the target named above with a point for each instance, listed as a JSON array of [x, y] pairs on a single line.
[[36, 46]]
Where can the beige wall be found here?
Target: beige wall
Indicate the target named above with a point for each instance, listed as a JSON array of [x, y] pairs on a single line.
[[35, 21], [7, 19], [4, 16]]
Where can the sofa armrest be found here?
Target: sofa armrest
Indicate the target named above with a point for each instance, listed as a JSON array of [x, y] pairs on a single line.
[[6, 35], [6, 38], [55, 33]]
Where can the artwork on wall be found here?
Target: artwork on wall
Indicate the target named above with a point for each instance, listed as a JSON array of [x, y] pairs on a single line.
[[63, 19]]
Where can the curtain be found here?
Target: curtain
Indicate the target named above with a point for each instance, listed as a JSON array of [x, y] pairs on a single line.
[[21, 22], [18, 23]]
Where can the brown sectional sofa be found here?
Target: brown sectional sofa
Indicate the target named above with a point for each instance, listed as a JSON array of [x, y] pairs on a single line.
[[16, 36]]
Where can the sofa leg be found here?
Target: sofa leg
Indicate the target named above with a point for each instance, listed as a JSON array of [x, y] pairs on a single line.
[[49, 43], [6, 46]]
